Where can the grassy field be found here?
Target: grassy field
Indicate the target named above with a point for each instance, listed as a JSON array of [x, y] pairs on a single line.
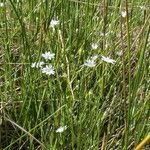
[[74, 75]]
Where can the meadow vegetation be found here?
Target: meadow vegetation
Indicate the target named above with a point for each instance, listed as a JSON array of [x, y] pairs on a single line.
[[74, 74]]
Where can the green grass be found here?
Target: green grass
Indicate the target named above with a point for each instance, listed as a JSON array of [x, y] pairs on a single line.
[[106, 107]]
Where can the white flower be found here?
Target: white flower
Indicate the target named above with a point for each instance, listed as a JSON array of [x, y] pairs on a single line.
[[1, 4], [120, 53], [94, 46], [37, 64], [94, 57], [48, 55], [123, 14], [53, 23], [90, 63], [48, 69], [61, 129], [143, 7], [102, 34], [108, 60]]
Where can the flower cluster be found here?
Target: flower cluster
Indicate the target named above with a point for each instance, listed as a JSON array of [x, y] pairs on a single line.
[[92, 61], [48, 69]]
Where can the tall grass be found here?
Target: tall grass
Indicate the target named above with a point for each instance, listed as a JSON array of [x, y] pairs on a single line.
[[105, 107]]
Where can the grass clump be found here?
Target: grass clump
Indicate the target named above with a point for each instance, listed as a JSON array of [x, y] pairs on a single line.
[[74, 74]]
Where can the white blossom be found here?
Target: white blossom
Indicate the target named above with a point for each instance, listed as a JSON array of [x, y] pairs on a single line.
[[48, 55], [108, 60], [119, 53], [1, 4], [48, 69], [94, 57], [53, 23], [61, 129], [94, 46], [103, 34], [90, 63], [143, 7], [37, 64], [123, 14]]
